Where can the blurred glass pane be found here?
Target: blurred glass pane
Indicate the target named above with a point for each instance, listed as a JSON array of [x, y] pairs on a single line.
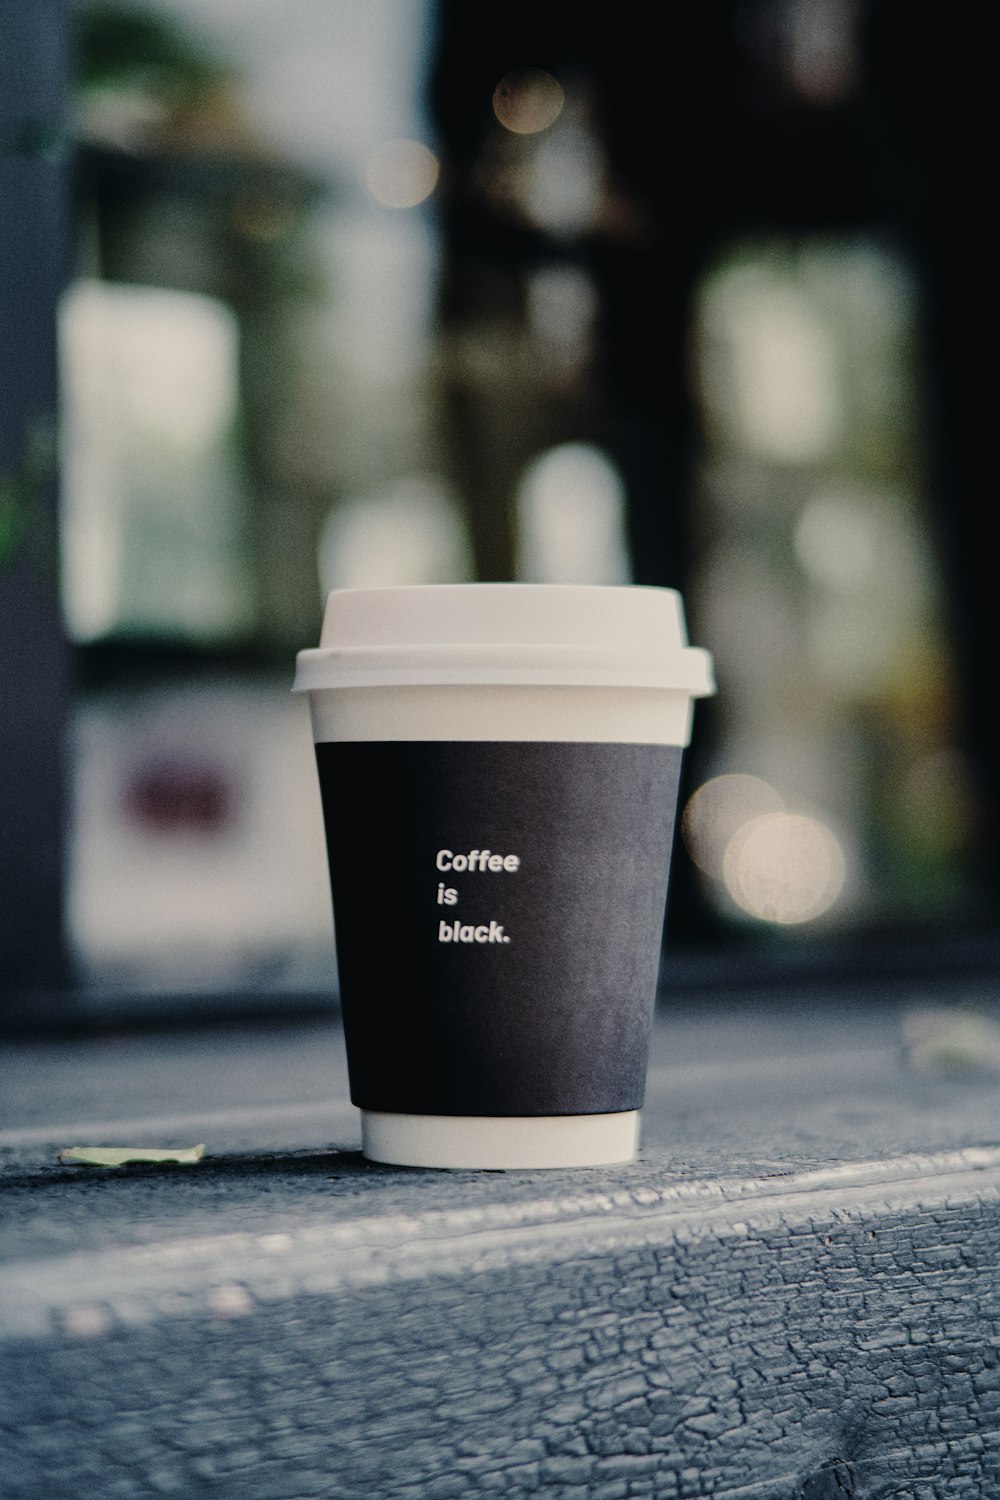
[[820, 592], [153, 513], [571, 512]]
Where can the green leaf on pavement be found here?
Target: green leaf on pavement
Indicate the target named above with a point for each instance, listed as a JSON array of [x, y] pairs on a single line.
[[120, 1156]]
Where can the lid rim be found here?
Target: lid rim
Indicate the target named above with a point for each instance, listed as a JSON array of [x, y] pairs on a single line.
[[320, 669]]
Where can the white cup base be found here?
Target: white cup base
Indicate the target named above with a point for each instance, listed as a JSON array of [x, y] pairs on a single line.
[[490, 1143]]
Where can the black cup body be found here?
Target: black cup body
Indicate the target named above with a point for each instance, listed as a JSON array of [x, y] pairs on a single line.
[[499, 910]]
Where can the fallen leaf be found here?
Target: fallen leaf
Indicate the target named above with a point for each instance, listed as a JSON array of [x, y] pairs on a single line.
[[951, 1040], [120, 1156]]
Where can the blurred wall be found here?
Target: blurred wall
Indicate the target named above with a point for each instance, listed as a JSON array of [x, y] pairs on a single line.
[[33, 681]]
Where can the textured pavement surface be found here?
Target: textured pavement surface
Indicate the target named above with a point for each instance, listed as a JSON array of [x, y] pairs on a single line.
[[792, 1294]]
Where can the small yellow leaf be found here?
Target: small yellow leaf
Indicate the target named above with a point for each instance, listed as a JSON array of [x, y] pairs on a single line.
[[120, 1156]]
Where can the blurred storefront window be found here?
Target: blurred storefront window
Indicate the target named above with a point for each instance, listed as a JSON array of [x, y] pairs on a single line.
[[382, 291], [245, 353], [152, 522], [818, 584]]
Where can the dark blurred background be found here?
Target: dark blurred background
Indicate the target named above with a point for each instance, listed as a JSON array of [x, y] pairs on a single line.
[[353, 292]]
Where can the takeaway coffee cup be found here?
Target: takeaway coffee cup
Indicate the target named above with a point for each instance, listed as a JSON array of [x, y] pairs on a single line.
[[498, 766]]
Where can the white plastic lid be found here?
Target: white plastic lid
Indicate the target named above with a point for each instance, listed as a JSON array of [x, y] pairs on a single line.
[[505, 633]]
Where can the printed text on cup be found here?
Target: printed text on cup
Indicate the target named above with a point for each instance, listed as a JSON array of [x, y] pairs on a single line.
[[477, 861]]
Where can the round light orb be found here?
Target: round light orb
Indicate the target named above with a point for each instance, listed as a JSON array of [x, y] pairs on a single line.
[[528, 100], [784, 868], [401, 174], [717, 809]]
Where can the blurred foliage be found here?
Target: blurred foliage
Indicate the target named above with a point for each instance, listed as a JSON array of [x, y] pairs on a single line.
[[123, 46], [22, 488]]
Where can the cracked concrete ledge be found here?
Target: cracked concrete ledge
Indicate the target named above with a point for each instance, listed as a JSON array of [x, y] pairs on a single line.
[[792, 1295], [820, 1335], [132, 1285]]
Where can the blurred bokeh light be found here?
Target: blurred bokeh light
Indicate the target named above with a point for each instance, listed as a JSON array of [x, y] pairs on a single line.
[[571, 512], [716, 812], [777, 866], [528, 100], [401, 174], [784, 868]]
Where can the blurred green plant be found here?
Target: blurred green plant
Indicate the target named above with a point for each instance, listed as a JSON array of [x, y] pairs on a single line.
[[35, 138], [125, 46], [22, 489]]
